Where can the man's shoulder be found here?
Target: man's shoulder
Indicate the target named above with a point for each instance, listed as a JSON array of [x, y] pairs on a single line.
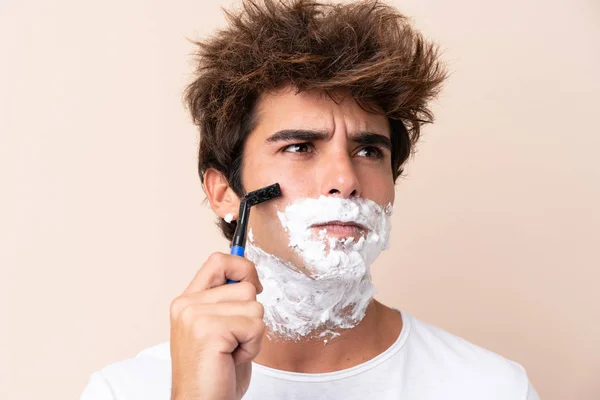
[[159, 352], [150, 360], [145, 376], [455, 359]]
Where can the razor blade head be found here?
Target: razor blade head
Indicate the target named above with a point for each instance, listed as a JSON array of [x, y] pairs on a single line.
[[264, 194]]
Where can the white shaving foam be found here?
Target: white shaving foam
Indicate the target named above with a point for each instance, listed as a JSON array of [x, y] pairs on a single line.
[[334, 289]]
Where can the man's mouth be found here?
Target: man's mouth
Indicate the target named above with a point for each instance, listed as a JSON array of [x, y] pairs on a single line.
[[341, 229]]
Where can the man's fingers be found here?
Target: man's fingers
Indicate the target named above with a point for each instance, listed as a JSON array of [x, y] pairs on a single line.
[[249, 334], [219, 267], [252, 309], [235, 292], [241, 334]]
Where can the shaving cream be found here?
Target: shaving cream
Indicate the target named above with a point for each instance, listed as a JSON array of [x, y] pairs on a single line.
[[333, 289]]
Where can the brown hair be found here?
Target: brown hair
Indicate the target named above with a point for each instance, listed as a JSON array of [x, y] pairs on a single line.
[[365, 48]]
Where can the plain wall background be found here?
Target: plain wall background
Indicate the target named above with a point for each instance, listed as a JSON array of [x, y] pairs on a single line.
[[102, 221]]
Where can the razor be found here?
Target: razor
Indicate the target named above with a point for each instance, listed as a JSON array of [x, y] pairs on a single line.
[[238, 243]]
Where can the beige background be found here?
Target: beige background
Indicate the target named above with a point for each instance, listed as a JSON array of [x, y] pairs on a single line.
[[496, 234]]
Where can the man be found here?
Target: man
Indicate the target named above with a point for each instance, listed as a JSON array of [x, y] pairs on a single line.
[[328, 102]]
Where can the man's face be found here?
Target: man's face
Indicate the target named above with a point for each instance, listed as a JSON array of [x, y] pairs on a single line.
[[312, 146]]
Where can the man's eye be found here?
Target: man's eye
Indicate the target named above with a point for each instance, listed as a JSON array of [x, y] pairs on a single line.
[[298, 148], [370, 152]]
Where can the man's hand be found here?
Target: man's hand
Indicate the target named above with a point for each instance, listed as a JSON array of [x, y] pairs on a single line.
[[216, 331]]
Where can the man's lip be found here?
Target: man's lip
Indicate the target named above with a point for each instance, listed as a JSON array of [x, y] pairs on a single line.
[[339, 223]]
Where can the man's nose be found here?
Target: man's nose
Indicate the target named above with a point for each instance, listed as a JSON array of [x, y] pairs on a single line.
[[339, 176]]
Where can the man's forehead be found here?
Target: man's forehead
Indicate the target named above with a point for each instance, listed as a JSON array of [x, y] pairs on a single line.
[[289, 109]]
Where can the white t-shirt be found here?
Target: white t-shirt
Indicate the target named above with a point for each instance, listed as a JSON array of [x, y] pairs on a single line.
[[424, 363]]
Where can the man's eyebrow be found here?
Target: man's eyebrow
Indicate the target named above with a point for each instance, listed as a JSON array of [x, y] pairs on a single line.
[[301, 135], [370, 138], [309, 135]]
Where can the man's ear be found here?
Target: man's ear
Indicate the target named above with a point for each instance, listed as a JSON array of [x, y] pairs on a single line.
[[221, 196]]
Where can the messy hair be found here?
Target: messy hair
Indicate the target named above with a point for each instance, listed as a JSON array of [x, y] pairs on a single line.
[[365, 48]]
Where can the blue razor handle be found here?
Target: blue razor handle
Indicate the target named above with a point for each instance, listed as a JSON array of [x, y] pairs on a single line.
[[236, 251]]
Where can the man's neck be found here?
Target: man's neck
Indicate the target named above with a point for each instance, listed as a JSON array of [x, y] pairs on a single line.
[[377, 331]]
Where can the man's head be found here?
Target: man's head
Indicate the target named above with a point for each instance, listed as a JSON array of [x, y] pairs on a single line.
[[324, 99]]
